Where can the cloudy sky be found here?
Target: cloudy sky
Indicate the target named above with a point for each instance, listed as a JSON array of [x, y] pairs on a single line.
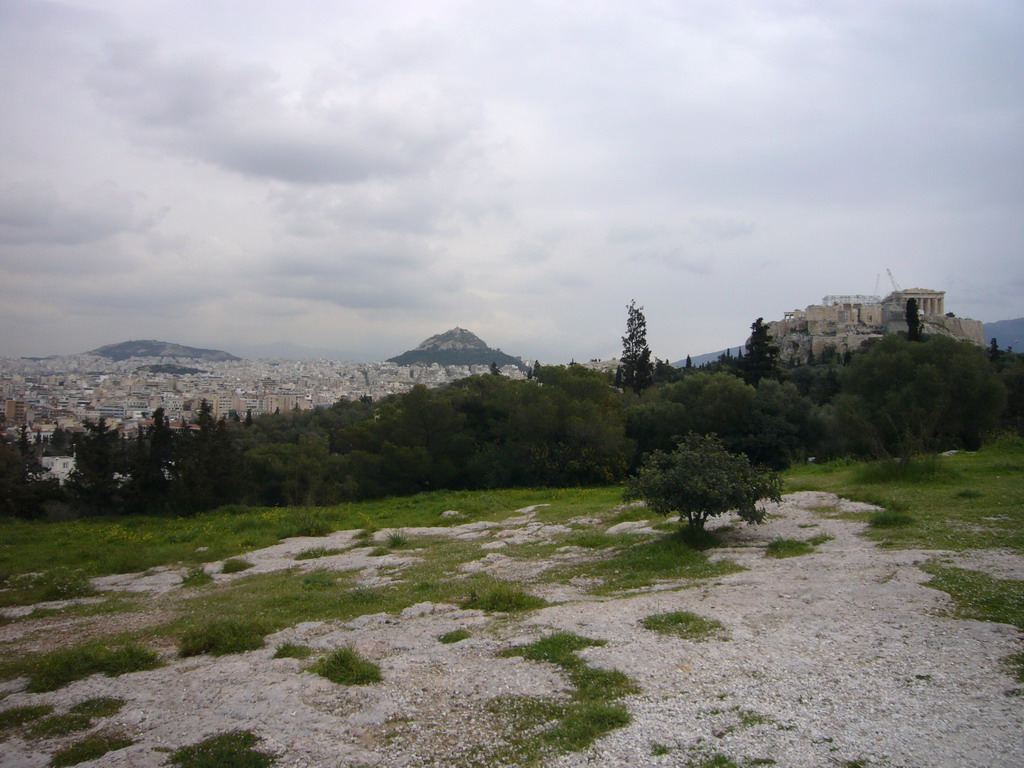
[[359, 175]]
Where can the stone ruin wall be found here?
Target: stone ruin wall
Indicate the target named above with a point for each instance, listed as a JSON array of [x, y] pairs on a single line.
[[825, 329]]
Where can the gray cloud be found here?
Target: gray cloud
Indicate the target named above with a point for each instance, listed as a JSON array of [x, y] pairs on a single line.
[[38, 214]]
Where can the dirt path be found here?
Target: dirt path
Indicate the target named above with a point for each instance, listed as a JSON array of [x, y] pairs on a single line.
[[833, 657]]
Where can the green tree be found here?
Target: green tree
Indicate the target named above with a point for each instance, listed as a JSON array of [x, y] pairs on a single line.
[[700, 479], [913, 321], [902, 398], [207, 464], [637, 370], [100, 464], [762, 358]]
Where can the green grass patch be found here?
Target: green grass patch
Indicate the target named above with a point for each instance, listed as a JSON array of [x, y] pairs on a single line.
[[947, 509], [196, 577], [232, 749], [687, 625], [889, 518], [103, 706], [223, 636], [293, 651], [920, 469], [545, 726], [56, 584], [346, 667], [58, 725], [977, 595], [454, 636], [502, 597], [53, 670], [92, 747], [314, 552], [794, 548], [235, 565], [16, 716]]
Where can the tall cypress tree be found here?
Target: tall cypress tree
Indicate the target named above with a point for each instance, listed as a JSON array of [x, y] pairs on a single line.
[[913, 321], [637, 370], [762, 359]]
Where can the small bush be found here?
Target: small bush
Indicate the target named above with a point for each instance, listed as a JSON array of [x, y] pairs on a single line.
[[305, 522], [889, 518], [233, 749], [315, 552], [196, 577], [235, 565], [396, 540], [454, 636], [58, 668], [346, 667], [93, 746], [104, 706], [684, 624], [293, 651], [219, 638], [503, 598]]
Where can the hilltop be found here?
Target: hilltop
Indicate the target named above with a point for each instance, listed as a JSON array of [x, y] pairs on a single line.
[[152, 348], [455, 347], [1007, 333]]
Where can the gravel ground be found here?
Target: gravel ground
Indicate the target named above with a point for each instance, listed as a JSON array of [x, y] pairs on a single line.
[[836, 658]]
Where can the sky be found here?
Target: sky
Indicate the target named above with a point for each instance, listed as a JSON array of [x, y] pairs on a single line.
[[359, 176]]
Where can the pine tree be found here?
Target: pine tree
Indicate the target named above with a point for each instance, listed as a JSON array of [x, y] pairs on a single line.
[[762, 358], [637, 370]]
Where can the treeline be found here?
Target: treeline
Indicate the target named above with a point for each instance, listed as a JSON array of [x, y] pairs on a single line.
[[565, 426]]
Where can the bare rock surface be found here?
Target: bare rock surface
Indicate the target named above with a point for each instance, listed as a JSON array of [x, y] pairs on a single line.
[[834, 657]]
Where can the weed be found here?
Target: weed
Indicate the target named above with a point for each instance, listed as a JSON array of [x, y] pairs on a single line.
[[346, 667], [235, 565], [232, 749], [103, 706], [659, 749], [750, 718], [93, 746], [293, 651], [687, 625], [58, 725], [502, 597], [714, 761], [58, 668], [196, 577], [315, 552], [1015, 666], [396, 540], [454, 636], [780, 548], [223, 636]]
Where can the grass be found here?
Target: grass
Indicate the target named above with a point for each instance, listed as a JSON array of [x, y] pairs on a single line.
[[58, 725], [686, 625], [196, 577], [92, 747], [235, 565], [57, 584], [937, 503], [549, 726], [503, 597], [232, 749], [979, 596], [293, 651], [103, 706], [781, 548], [50, 671], [314, 552], [223, 636], [454, 636], [17, 716], [346, 667]]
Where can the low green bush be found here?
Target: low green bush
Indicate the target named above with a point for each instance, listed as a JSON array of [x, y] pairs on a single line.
[[503, 598], [293, 651], [58, 668], [221, 637], [346, 667]]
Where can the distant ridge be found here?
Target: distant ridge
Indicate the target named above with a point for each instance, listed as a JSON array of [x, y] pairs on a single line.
[[1007, 333], [455, 347], [151, 348]]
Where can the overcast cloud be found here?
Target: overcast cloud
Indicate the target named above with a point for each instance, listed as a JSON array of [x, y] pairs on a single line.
[[359, 175]]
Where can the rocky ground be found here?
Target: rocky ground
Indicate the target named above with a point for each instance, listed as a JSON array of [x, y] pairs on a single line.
[[840, 657]]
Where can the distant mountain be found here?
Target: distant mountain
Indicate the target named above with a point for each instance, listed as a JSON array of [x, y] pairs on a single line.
[[150, 348], [455, 347], [1007, 333], [710, 357]]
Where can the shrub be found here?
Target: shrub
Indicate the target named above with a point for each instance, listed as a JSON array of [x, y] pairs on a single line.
[[684, 624], [235, 565], [58, 668], [346, 667], [93, 746], [232, 749], [219, 638], [503, 598]]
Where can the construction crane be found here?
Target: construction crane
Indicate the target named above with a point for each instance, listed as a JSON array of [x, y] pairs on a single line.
[[895, 285]]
